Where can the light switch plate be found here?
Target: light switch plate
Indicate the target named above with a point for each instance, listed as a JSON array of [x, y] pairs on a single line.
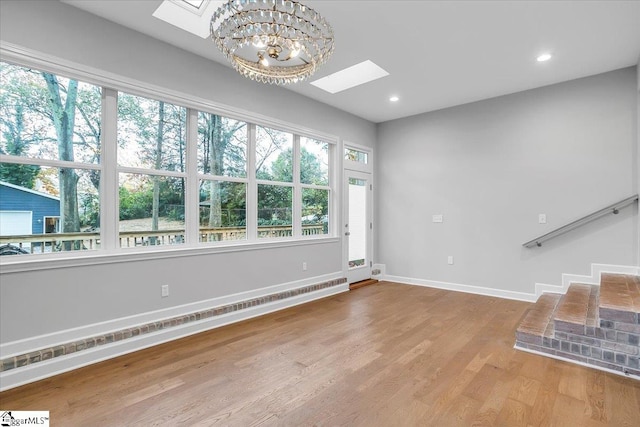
[[542, 218], [438, 218]]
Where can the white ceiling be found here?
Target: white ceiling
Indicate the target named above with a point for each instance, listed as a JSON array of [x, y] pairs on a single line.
[[439, 53]]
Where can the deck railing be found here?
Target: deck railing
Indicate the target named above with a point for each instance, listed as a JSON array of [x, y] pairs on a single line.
[[59, 242]]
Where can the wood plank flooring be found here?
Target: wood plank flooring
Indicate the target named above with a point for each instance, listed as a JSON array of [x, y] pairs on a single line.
[[383, 355]]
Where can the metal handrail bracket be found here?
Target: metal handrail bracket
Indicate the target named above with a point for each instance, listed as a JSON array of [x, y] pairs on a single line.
[[612, 209]]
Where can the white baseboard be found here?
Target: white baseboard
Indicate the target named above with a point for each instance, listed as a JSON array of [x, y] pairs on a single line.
[[540, 288], [478, 290], [381, 268], [44, 369], [15, 348]]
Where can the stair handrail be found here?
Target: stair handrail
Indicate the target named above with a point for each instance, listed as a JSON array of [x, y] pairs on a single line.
[[611, 209]]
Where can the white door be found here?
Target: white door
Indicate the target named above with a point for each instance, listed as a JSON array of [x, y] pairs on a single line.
[[357, 225], [14, 223]]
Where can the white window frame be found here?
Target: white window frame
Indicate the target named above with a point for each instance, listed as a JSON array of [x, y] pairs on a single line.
[[110, 251], [44, 224]]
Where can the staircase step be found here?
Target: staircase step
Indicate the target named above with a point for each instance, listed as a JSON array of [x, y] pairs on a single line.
[[535, 324], [620, 298], [576, 310], [594, 325]]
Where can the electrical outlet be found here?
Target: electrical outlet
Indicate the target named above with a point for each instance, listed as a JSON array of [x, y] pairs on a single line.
[[304, 266], [450, 260], [165, 290], [437, 218]]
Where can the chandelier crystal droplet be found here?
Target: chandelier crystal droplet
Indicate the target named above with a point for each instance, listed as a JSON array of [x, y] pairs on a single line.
[[272, 41]]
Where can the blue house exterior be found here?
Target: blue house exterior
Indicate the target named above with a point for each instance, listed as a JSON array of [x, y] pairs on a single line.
[[16, 199]]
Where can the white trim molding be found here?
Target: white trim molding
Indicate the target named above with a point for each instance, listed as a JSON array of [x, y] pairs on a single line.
[[478, 290], [19, 375], [540, 288], [592, 279]]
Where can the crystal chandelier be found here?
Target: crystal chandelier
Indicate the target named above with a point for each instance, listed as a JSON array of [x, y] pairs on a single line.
[[272, 41]]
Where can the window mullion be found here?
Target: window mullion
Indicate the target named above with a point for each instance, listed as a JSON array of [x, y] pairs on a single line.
[[297, 191], [109, 202], [192, 196], [252, 186]]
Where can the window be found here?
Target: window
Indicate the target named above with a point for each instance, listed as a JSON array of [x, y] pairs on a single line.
[[222, 169], [151, 137], [354, 155], [179, 177], [274, 174], [314, 177], [50, 130], [51, 224]]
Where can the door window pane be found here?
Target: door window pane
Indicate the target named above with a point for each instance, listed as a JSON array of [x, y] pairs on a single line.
[[222, 146], [151, 210], [357, 222], [223, 211]]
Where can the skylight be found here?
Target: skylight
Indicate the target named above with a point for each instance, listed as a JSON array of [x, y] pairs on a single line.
[[353, 76], [189, 15], [195, 3]]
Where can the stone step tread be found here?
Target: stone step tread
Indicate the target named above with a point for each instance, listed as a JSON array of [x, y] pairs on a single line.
[[574, 307], [620, 292], [537, 320]]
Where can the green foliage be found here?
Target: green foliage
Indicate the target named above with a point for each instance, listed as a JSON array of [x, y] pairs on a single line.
[[315, 207], [274, 203], [17, 174], [282, 168], [89, 210], [135, 204], [231, 198]]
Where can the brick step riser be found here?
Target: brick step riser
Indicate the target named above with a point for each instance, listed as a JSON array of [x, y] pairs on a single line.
[[622, 333], [605, 359], [586, 327], [627, 347], [619, 316], [600, 352]]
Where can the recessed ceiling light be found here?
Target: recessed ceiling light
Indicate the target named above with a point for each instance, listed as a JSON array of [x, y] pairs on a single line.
[[394, 99], [353, 76], [544, 57]]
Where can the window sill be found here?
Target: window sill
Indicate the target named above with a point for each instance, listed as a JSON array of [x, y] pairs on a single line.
[[62, 260]]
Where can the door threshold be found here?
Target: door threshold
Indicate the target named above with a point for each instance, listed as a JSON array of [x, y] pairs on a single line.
[[361, 283]]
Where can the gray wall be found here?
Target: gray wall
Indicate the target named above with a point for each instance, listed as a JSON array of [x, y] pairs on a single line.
[[64, 298], [72, 34], [637, 168], [491, 167]]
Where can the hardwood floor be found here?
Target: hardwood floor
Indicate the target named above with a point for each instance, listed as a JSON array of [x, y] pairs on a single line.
[[383, 355]]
